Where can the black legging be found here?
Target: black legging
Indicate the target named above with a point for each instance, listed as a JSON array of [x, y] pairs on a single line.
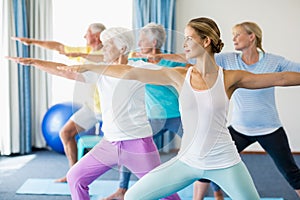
[[277, 146]]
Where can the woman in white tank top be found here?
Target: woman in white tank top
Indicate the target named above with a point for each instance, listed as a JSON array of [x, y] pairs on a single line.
[[207, 150]]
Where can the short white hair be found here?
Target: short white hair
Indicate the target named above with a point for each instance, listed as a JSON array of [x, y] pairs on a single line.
[[155, 32], [122, 37], [96, 27]]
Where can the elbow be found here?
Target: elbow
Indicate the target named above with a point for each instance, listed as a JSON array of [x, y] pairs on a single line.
[[285, 80]]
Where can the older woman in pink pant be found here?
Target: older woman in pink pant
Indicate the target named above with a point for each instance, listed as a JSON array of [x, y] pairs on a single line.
[[127, 137]]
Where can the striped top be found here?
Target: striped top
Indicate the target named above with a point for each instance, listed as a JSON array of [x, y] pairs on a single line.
[[254, 111]]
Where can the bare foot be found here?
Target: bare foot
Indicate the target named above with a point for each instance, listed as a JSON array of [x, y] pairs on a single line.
[[118, 195], [61, 180], [298, 192], [218, 195]]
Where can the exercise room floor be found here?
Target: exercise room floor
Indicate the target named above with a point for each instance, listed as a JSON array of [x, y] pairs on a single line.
[[42, 163]]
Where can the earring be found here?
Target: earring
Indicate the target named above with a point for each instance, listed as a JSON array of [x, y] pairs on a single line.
[[122, 50]]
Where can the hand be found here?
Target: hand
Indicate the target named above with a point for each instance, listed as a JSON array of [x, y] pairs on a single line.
[[26, 41], [73, 68], [20, 60], [154, 58]]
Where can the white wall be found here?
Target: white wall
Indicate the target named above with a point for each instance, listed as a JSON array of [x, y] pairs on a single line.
[[279, 20], [71, 20]]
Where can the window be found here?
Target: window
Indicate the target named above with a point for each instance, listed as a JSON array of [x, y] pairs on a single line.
[[70, 22]]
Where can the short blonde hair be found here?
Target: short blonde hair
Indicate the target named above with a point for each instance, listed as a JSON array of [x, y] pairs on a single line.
[[251, 27]]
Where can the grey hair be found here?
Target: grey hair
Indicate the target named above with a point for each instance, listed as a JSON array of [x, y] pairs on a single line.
[[122, 37], [97, 27], [155, 32]]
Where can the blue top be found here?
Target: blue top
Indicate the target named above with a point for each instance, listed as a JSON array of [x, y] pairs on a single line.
[[254, 111], [162, 101]]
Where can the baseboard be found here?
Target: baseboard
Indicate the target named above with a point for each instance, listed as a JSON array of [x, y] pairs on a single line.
[[263, 152], [244, 152]]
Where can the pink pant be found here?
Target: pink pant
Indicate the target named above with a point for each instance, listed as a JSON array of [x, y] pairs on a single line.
[[139, 156]]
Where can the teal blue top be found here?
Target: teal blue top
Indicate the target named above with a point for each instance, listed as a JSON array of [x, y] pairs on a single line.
[[162, 101]]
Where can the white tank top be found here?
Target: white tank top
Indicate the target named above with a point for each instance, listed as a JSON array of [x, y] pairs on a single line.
[[123, 106], [206, 142]]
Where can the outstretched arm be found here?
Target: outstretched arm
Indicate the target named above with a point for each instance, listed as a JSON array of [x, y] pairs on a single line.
[[243, 79], [162, 76], [52, 45], [48, 66], [96, 58], [158, 56]]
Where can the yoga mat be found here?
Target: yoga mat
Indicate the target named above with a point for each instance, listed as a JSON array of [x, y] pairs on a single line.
[[98, 189], [49, 187], [226, 198]]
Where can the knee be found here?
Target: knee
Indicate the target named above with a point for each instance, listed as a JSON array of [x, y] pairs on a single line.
[[73, 178], [69, 177], [67, 133]]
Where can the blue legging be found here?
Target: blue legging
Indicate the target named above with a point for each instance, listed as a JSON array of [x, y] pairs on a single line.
[[277, 146], [165, 180], [159, 127]]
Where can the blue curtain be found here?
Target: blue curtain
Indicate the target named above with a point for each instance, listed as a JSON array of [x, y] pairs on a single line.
[[21, 27], [158, 11]]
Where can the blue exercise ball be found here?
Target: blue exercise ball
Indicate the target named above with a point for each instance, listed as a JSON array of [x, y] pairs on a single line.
[[54, 119]]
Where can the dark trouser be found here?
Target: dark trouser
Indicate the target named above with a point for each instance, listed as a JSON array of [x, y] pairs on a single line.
[[277, 146]]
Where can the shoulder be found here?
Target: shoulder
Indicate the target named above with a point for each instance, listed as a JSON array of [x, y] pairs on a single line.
[[235, 72], [226, 55], [226, 59], [234, 76], [272, 56], [182, 71], [175, 71]]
